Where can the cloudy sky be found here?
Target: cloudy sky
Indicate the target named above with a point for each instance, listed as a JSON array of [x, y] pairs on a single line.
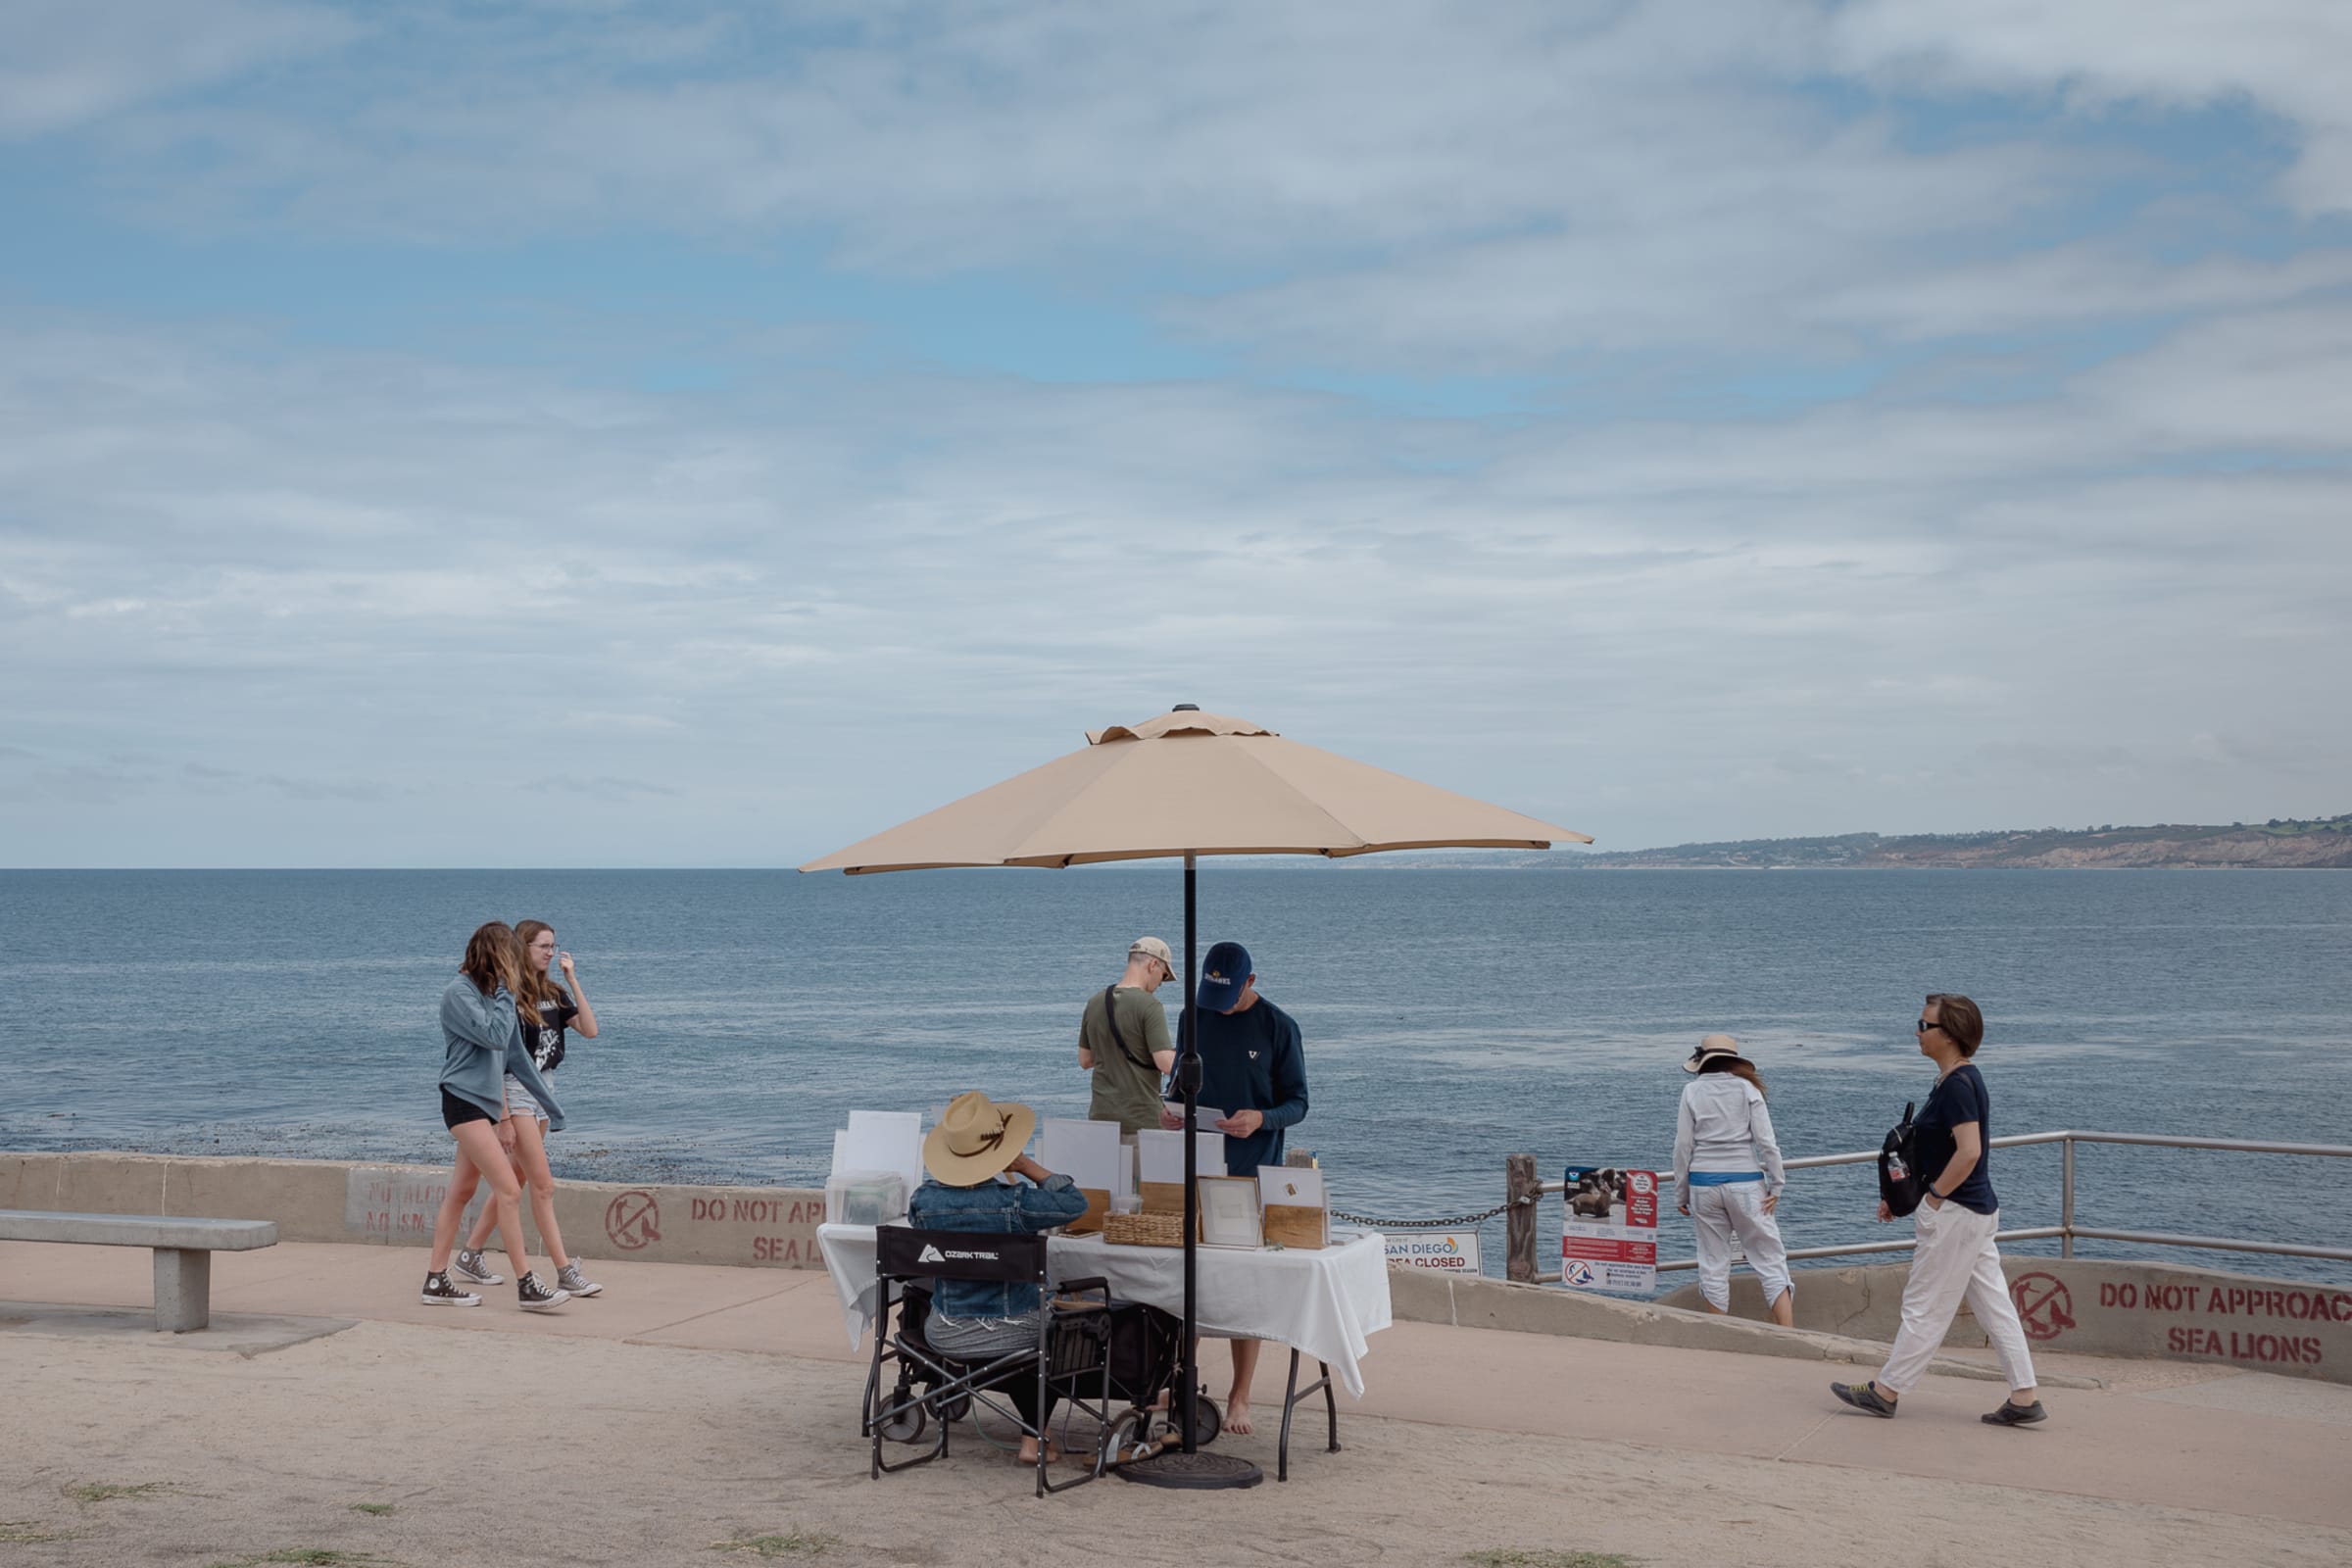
[[700, 434]]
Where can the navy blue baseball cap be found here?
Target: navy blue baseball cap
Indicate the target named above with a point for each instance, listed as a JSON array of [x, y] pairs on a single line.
[[1223, 974]]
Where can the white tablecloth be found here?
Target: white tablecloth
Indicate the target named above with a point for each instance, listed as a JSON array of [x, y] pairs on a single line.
[[1325, 1303]]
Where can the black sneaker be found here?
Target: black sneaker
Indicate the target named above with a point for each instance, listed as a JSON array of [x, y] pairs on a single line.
[[438, 1291], [2015, 1416], [472, 1267], [537, 1297], [1864, 1397]]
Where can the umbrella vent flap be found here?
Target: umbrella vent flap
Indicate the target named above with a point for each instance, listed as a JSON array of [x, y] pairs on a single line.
[[1181, 722]]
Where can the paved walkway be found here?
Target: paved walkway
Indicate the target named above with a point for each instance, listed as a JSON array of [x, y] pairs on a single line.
[[1627, 1439]]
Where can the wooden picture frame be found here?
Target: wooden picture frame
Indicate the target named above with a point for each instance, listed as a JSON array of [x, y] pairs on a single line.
[[1229, 1212]]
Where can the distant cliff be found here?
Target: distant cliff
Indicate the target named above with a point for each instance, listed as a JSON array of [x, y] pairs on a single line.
[[2281, 845]]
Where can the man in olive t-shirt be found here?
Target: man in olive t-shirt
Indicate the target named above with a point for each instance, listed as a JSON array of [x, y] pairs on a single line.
[[1130, 1064]]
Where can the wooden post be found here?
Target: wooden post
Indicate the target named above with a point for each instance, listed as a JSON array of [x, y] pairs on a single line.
[[1519, 1220]]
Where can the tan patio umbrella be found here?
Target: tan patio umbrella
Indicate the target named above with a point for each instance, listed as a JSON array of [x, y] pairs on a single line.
[[1190, 784]]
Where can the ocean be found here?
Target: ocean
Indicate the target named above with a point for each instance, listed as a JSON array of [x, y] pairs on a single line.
[[1451, 1017]]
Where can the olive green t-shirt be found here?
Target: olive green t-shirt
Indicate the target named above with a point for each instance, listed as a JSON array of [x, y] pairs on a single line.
[[1126, 1083]]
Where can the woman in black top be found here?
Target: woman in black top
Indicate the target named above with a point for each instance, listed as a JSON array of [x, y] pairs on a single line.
[[1955, 1256]]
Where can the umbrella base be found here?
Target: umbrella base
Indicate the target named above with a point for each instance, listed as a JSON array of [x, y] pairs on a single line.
[[1192, 1472]]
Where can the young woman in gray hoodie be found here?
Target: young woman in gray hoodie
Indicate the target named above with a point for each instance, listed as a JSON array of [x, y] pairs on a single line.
[[482, 1046]]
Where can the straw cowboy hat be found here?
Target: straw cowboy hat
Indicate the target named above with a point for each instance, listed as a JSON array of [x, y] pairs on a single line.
[[1716, 1047], [976, 1137]]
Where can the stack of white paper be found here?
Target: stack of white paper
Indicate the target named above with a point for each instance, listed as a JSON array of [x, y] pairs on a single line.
[[1088, 1152], [882, 1140]]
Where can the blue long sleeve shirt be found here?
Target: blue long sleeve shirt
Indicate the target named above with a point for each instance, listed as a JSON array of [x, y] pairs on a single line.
[[1254, 1061], [482, 1045]]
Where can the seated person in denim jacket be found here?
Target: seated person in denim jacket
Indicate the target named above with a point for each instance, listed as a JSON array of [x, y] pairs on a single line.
[[971, 1154]]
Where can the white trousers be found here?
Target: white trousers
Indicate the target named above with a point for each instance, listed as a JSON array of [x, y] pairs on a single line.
[[1737, 1209], [1955, 1258]]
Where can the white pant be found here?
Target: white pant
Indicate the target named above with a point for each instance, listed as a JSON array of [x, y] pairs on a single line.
[[1955, 1258], [1735, 1210]]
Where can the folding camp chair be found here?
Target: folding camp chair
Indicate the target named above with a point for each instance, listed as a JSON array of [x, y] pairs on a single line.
[[1071, 1348]]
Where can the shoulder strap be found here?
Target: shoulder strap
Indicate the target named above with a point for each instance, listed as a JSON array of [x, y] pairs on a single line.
[[1110, 1021]]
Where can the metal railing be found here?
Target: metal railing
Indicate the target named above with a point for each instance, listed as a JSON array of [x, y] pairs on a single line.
[[1522, 1267]]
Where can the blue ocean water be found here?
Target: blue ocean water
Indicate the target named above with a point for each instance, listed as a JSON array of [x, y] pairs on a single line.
[[1451, 1017]]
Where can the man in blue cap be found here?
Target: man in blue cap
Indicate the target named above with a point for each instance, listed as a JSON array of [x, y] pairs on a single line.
[[1252, 1068]]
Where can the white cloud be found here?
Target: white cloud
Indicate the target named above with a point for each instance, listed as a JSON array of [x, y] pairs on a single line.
[[2290, 56], [67, 63]]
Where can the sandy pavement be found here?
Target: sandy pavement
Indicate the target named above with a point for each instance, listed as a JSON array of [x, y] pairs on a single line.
[[513, 1448]]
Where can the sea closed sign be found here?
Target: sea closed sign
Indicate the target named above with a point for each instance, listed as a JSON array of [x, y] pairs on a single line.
[[1453, 1252], [1609, 1240]]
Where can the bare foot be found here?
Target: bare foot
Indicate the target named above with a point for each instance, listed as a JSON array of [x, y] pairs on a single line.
[[1237, 1417], [1029, 1452]]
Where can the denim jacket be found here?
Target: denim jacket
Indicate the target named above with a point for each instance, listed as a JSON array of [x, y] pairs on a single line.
[[482, 1046], [993, 1205]]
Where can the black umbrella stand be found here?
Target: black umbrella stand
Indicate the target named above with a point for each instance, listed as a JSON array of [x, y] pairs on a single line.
[[1187, 1467]]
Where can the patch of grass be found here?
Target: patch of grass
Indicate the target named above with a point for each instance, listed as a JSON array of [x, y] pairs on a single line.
[[799, 1543], [31, 1533], [1511, 1558], [109, 1491], [378, 1509]]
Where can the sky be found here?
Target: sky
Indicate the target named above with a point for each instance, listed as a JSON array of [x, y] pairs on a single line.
[[697, 433]]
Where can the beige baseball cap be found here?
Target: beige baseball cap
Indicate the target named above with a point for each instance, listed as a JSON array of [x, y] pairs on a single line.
[[1151, 947]]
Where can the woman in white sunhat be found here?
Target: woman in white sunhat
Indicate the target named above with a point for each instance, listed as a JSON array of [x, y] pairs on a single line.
[[1728, 1175], [971, 1158]]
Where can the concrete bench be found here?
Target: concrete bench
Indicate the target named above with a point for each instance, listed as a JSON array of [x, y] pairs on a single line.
[[183, 1250]]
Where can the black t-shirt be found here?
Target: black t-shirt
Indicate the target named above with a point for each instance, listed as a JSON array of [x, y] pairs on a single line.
[[545, 1042], [1955, 1103]]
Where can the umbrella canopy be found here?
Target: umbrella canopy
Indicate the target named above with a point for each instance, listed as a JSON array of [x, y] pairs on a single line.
[[1192, 783]]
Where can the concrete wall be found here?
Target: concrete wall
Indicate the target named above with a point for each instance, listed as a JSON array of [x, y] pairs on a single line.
[[1426, 1295], [393, 1206], [2098, 1307]]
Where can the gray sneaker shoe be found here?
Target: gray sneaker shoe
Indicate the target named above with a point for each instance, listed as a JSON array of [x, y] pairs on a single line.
[[440, 1292], [1864, 1396], [533, 1297], [474, 1268], [569, 1278]]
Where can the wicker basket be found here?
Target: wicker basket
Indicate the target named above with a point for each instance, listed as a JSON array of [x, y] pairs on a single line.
[[1144, 1230]]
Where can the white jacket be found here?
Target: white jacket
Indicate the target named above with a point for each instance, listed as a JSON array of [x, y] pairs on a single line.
[[1722, 1125]]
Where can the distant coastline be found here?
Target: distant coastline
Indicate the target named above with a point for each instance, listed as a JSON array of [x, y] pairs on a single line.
[[2282, 844]]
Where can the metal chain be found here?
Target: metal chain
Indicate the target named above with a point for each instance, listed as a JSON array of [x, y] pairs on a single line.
[[1451, 1223]]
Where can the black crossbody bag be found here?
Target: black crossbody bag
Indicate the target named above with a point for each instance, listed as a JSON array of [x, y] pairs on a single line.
[[1901, 1184], [1110, 1021]]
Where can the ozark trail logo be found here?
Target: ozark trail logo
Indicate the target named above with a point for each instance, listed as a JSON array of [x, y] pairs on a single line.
[[929, 1255]]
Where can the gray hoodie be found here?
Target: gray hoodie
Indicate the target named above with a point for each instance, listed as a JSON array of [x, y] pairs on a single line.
[[483, 1047]]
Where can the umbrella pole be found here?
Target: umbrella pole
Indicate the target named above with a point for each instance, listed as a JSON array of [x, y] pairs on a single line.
[[1188, 1079], [1188, 1468]]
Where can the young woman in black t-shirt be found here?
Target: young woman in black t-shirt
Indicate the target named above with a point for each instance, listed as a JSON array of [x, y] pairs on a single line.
[[1955, 1256], [545, 1012]]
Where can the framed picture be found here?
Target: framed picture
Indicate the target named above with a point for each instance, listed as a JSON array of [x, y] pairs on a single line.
[[1229, 1211]]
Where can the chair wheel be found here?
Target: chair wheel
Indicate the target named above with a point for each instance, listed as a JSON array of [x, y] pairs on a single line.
[[1207, 1422], [953, 1407], [902, 1425]]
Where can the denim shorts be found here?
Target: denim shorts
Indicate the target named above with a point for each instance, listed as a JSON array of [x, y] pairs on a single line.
[[519, 1100]]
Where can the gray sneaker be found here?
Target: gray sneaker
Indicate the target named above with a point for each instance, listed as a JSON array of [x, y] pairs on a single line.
[[571, 1279], [534, 1297], [474, 1268]]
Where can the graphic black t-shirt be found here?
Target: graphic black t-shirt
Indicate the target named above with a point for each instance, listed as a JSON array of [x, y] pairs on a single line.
[[545, 1042], [1955, 1103]]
